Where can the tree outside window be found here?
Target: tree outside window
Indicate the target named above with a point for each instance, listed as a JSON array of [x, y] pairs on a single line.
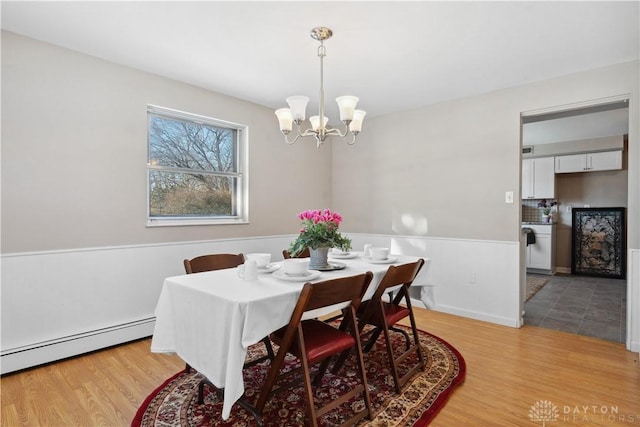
[[194, 168]]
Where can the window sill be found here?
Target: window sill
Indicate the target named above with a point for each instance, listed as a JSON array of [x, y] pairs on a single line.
[[167, 222]]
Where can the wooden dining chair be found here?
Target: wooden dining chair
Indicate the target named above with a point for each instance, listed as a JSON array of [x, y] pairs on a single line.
[[304, 254], [384, 315], [312, 341], [212, 262], [221, 261]]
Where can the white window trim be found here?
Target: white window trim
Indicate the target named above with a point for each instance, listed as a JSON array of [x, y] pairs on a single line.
[[243, 154]]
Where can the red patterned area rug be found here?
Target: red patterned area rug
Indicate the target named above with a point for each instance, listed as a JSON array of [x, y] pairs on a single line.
[[174, 403]]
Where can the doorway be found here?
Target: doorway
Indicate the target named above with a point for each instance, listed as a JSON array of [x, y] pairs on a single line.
[[585, 305]]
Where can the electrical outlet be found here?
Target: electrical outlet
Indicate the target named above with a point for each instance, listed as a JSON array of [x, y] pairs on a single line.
[[587, 206], [472, 278], [569, 209]]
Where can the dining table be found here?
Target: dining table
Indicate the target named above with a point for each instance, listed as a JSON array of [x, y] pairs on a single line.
[[210, 319]]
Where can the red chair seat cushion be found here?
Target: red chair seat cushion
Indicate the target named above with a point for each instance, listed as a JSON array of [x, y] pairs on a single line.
[[393, 314], [320, 339]]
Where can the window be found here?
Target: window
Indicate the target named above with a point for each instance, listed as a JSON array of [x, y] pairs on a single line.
[[195, 169]]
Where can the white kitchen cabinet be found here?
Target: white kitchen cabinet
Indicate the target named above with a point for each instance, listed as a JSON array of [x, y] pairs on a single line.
[[538, 178], [541, 255], [589, 162]]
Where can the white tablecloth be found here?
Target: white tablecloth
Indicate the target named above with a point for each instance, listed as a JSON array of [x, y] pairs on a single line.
[[210, 319]]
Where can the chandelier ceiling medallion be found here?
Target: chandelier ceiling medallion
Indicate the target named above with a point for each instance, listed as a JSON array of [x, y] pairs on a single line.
[[296, 113]]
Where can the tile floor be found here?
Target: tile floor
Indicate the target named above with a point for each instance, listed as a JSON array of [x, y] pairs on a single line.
[[583, 305]]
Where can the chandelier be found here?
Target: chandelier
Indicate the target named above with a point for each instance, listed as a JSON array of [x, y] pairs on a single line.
[[296, 113]]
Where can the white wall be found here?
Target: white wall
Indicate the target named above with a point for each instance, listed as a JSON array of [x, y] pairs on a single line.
[[73, 186], [74, 154], [443, 170]]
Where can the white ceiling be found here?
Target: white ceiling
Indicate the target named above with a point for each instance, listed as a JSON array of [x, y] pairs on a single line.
[[393, 55]]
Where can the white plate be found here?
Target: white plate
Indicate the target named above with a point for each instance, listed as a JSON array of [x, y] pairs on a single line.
[[338, 255], [269, 268], [388, 260], [311, 274]]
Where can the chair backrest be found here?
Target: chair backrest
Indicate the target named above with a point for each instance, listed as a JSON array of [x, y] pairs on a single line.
[[304, 254], [331, 292], [212, 262], [398, 275]]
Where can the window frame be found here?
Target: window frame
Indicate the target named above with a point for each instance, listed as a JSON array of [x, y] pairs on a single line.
[[241, 200]]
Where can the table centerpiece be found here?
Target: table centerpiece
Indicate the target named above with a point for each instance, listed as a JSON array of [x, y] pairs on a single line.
[[319, 233]]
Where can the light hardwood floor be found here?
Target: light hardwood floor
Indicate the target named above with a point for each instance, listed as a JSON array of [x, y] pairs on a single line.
[[508, 371]]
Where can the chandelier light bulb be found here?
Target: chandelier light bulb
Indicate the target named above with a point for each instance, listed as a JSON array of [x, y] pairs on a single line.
[[356, 124], [298, 105], [285, 119], [347, 105], [315, 122]]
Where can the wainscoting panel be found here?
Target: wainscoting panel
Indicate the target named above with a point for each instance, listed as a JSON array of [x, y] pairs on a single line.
[[470, 278], [633, 301], [64, 303], [478, 279]]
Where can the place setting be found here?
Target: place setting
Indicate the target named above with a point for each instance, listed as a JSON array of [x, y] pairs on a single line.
[[296, 270], [263, 262], [340, 254], [378, 255]]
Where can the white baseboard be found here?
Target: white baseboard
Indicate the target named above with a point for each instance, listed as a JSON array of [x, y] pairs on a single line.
[[477, 316], [417, 303], [49, 351]]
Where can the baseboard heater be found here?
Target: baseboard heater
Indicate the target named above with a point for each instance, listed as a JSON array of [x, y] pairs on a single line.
[[35, 354]]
